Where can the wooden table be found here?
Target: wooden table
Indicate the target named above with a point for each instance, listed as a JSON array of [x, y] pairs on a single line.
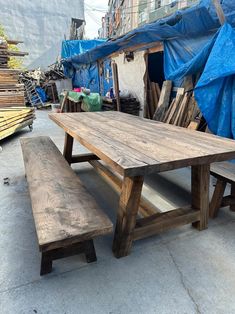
[[130, 147]]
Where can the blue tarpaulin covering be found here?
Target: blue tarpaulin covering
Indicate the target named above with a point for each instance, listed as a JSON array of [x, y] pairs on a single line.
[[215, 90], [196, 21], [193, 43], [74, 47]]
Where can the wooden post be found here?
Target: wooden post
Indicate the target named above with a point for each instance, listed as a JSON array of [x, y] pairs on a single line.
[[68, 147], [232, 207], [200, 194], [116, 85], [219, 11], [64, 101], [126, 216], [217, 198]]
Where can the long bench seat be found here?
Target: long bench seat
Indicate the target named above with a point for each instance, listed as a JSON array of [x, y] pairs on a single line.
[[66, 216]]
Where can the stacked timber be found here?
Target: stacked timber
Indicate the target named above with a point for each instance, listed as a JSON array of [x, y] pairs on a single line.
[[128, 105], [175, 106], [15, 118], [13, 115], [4, 58], [11, 92]]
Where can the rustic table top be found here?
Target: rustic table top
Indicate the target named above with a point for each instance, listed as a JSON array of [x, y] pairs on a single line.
[[137, 146]]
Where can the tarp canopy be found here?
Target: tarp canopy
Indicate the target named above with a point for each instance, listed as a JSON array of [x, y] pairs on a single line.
[[193, 43], [196, 21], [75, 47]]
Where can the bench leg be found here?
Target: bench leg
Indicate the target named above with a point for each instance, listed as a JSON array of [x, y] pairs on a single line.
[[232, 207], [217, 198], [68, 147], [46, 264], [200, 194], [126, 216], [90, 251]]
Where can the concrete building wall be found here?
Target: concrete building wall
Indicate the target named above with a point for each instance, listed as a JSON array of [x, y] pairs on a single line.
[[131, 75], [42, 25]]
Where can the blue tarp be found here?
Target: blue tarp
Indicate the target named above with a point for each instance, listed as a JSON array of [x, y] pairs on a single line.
[[215, 90], [74, 47], [80, 78], [193, 43], [199, 20]]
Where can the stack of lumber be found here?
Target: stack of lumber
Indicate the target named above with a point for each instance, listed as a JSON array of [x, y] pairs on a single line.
[[15, 118], [11, 92], [4, 58], [175, 106], [128, 105]]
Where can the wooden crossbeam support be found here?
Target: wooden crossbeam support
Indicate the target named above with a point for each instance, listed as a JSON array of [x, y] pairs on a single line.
[[83, 158], [146, 207], [158, 223]]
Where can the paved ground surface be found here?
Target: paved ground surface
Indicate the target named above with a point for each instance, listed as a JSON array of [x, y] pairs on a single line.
[[181, 271]]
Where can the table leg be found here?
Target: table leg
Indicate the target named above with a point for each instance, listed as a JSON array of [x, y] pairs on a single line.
[[200, 194], [126, 216], [68, 147], [232, 207]]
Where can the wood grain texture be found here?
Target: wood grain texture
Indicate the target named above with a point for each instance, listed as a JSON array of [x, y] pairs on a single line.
[[136, 146], [126, 216], [200, 194], [64, 211], [164, 221], [223, 171], [146, 208], [216, 201]]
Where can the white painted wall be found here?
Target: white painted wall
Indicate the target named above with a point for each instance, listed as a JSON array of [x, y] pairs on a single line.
[[131, 75], [42, 26]]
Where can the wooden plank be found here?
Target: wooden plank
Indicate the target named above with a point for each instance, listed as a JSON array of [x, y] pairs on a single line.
[[146, 208], [224, 171], [64, 100], [19, 121], [162, 222], [15, 128], [163, 101], [200, 194], [116, 85], [68, 147], [155, 95], [216, 201], [232, 204], [64, 211], [126, 216], [83, 158], [135, 146], [219, 11]]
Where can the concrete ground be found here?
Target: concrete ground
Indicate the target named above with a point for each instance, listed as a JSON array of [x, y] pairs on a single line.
[[180, 271]]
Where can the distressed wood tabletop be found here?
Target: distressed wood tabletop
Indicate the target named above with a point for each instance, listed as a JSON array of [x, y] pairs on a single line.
[[137, 146]]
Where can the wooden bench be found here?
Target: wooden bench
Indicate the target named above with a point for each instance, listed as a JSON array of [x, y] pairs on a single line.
[[224, 172], [66, 216]]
